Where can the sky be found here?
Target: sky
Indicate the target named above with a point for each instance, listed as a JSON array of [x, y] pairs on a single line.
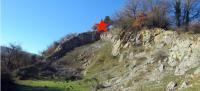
[[35, 24]]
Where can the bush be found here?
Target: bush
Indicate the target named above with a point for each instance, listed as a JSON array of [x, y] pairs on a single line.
[[121, 20], [27, 72], [108, 20], [139, 20], [157, 18], [195, 28]]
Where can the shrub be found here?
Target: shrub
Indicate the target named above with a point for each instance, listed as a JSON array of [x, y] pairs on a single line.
[[157, 18], [108, 20], [139, 21], [121, 20], [27, 72], [195, 28]]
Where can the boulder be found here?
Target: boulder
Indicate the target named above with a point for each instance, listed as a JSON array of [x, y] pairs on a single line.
[[171, 86], [184, 85], [161, 68]]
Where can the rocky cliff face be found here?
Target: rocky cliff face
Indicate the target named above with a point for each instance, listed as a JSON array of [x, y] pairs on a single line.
[[152, 60], [76, 41], [180, 50]]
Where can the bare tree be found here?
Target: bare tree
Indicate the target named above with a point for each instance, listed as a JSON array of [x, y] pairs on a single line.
[[132, 7], [177, 8], [124, 18], [14, 57], [157, 18], [191, 11], [186, 11], [159, 12], [13, 54]]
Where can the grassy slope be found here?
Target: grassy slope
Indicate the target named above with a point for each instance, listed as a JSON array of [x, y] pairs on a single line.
[[47, 85], [103, 62], [42, 85]]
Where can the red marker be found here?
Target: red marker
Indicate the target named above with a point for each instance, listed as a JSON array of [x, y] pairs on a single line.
[[102, 26]]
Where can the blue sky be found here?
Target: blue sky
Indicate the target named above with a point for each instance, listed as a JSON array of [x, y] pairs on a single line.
[[35, 24]]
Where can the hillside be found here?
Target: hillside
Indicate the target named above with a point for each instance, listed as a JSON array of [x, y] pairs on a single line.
[[148, 60], [130, 45]]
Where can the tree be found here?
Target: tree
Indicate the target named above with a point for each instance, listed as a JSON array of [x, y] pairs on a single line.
[[156, 11], [177, 7], [121, 20], [191, 10], [159, 13], [186, 11], [108, 20], [157, 18], [131, 8], [124, 18], [13, 57], [13, 54]]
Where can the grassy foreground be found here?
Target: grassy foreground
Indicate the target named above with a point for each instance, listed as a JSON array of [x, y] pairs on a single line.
[[42, 85]]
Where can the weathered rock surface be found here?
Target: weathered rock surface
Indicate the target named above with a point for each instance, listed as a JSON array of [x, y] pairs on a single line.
[[153, 55], [185, 84], [116, 48], [171, 86], [76, 41]]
